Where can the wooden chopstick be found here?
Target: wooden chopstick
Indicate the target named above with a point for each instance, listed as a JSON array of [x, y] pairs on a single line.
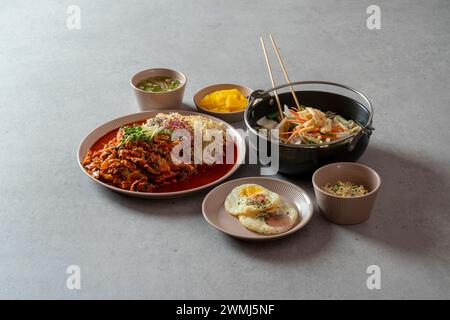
[[271, 78], [280, 60]]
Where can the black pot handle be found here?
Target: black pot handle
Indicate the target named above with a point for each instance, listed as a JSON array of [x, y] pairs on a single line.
[[366, 131], [256, 95]]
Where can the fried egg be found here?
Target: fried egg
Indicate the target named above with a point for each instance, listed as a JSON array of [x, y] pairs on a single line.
[[274, 221], [250, 199]]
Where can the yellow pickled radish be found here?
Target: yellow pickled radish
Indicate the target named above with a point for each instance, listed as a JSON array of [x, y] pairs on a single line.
[[229, 100], [206, 102]]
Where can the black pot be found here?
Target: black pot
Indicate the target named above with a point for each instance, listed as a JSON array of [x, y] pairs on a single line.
[[305, 158]]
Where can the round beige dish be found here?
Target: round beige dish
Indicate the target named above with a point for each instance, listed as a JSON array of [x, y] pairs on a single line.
[[158, 100], [226, 116], [109, 126], [341, 210], [216, 215]]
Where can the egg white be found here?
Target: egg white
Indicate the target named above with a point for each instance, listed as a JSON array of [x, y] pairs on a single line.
[[259, 224], [237, 203]]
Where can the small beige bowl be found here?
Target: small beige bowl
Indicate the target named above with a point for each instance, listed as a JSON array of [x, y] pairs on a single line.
[[158, 100], [342, 210], [226, 116]]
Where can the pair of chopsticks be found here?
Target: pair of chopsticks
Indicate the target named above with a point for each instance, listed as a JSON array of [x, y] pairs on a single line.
[[283, 68]]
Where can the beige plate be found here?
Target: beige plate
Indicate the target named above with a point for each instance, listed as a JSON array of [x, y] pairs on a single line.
[[214, 211], [100, 131]]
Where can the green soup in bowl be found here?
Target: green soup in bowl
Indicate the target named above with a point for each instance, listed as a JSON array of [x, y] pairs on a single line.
[[159, 84]]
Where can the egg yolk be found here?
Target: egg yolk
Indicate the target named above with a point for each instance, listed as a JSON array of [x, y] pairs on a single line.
[[250, 191]]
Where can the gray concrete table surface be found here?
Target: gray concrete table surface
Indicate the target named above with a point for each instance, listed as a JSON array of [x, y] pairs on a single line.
[[57, 84]]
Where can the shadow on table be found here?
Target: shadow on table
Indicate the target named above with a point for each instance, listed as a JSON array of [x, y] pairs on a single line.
[[187, 107], [402, 218], [301, 245], [189, 206], [306, 242], [405, 210], [401, 210]]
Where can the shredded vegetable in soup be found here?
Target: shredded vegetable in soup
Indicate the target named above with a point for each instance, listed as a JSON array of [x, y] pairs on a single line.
[[159, 84], [310, 126], [345, 189]]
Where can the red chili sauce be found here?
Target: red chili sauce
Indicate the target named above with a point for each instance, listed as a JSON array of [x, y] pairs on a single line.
[[205, 174]]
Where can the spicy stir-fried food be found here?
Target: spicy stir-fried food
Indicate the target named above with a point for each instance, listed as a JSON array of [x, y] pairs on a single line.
[[310, 126], [136, 165], [139, 157]]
